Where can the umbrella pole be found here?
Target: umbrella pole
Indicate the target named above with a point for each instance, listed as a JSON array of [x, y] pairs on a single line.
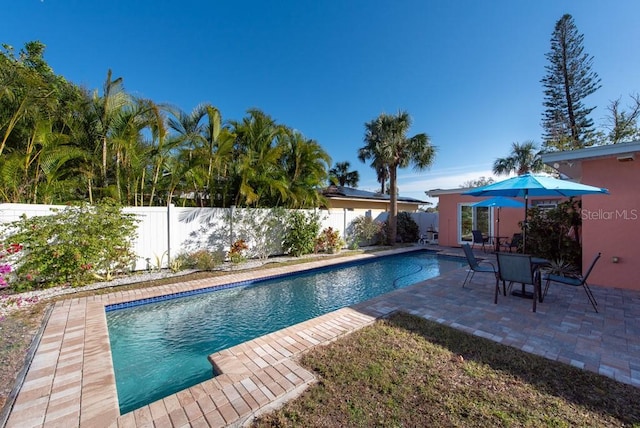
[[497, 244], [524, 225]]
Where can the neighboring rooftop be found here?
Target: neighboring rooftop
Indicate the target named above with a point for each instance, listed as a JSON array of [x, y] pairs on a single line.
[[351, 193]]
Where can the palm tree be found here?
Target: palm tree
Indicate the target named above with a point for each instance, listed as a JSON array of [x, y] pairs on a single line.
[[218, 152], [259, 148], [158, 149], [106, 109], [388, 146], [382, 170], [129, 149], [202, 131], [524, 158], [340, 175], [305, 164]]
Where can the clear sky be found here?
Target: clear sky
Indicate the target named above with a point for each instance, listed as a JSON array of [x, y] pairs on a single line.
[[467, 71]]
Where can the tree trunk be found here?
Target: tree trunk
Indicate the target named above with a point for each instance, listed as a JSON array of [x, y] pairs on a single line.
[[104, 162], [393, 206]]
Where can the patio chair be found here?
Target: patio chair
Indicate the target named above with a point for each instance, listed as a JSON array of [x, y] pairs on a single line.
[[474, 265], [515, 242], [479, 238], [575, 281], [516, 268]]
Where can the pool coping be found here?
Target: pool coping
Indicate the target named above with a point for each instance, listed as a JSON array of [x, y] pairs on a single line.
[[71, 381]]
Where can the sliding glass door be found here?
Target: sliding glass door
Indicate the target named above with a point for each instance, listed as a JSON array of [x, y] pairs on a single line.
[[473, 218]]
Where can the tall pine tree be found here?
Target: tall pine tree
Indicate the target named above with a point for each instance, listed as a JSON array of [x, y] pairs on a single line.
[[568, 81]]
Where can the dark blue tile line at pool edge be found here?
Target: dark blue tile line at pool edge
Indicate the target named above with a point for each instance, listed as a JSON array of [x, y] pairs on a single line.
[[171, 296]]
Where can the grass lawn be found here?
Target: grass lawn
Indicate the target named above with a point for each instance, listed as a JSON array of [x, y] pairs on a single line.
[[407, 371]]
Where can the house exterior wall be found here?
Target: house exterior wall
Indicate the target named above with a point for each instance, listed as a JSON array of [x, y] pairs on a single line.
[[611, 224], [448, 219]]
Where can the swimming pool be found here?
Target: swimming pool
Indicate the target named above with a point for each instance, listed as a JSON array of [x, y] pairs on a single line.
[[161, 347]]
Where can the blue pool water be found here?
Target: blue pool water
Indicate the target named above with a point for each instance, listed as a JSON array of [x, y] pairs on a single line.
[[161, 348]]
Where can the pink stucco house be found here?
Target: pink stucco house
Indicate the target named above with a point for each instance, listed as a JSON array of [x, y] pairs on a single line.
[[610, 224]]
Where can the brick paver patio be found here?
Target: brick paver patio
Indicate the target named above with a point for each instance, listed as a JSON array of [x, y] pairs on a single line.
[[70, 381]]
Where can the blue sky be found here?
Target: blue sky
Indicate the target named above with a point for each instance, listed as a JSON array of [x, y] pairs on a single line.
[[468, 72]]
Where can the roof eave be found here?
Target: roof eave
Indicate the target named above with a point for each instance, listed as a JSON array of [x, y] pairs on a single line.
[[570, 162]]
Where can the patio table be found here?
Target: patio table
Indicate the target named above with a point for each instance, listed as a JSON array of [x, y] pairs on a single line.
[[537, 263]]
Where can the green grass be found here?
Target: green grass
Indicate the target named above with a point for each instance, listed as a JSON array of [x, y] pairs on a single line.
[[410, 372]]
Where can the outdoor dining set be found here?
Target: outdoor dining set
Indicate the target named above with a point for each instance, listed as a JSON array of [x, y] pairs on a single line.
[[513, 264], [515, 268]]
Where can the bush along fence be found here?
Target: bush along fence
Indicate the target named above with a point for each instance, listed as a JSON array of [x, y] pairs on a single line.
[[80, 244]]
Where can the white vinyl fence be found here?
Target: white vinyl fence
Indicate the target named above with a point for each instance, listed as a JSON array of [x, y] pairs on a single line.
[[164, 232]]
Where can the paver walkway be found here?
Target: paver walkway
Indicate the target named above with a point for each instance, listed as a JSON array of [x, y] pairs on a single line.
[[71, 382]]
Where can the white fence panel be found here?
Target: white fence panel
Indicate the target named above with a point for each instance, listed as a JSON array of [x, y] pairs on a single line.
[[194, 228], [427, 222], [151, 244], [12, 212], [165, 232]]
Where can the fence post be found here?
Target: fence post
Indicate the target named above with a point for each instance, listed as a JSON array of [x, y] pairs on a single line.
[[231, 227], [169, 206]]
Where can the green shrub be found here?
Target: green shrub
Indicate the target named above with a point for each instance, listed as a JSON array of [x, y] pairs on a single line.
[[73, 246], [301, 231], [364, 230], [201, 259], [548, 233], [408, 230]]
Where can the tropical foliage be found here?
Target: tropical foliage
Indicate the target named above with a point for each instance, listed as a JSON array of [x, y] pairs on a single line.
[[554, 234], [341, 176], [388, 148], [524, 158], [60, 143]]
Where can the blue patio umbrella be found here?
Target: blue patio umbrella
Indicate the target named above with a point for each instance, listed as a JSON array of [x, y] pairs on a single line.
[[499, 202], [526, 185]]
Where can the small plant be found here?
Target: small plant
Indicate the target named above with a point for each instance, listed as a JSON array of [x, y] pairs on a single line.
[[329, 240], [175, 265], [236, 253], [365, 231], [156, 266], [561, 267], [264, 228], [200, 260]]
